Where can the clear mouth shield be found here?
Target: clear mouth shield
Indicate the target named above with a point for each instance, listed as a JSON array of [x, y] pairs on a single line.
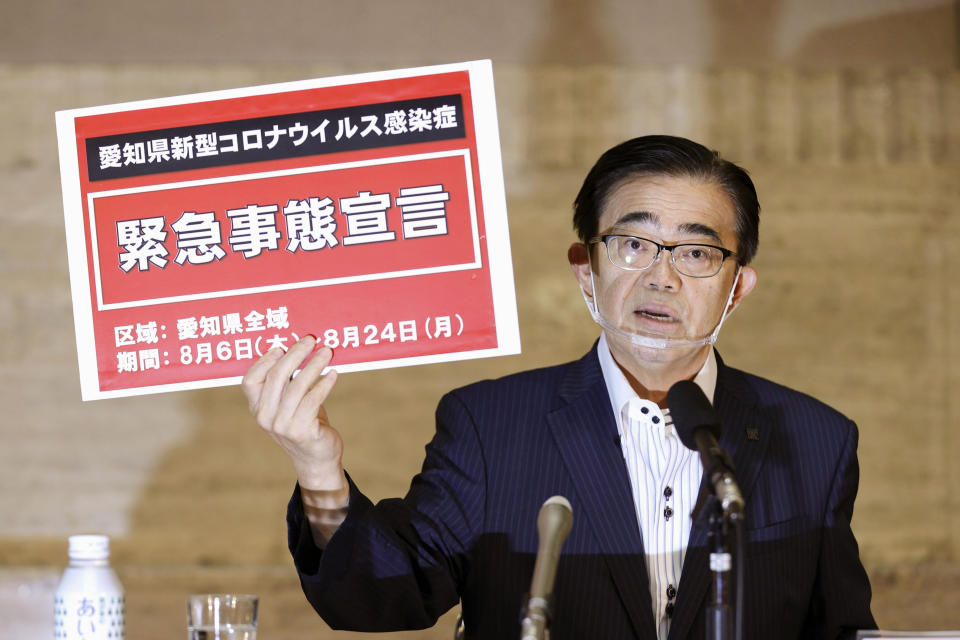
[[642, 337]]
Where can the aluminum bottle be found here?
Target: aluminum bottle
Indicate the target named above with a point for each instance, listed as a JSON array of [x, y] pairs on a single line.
[[89, 604]]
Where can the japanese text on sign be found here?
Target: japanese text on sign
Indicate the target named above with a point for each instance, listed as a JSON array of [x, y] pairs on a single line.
[[284, 136], [136, 351], [310, 225]]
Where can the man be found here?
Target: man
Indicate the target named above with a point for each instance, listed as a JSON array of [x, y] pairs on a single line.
[[667, 230]]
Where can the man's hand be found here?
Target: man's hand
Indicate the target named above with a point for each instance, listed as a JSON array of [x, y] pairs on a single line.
[[290, 409]]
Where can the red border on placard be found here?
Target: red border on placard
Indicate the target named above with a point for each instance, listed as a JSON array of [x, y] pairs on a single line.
[[397, 318]]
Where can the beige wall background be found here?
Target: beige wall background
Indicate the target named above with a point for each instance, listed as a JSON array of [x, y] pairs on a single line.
[[846, 113]]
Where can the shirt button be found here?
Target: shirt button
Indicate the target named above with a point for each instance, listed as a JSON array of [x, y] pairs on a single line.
[[667, 513], [644, 410], [667, 492], [669, 609], [671, 592], [655, 420]]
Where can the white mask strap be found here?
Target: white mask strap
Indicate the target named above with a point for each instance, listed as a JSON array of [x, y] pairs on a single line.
[[647, 341], [725, 314]]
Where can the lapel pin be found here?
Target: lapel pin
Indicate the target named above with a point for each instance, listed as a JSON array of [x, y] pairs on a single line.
[[753, 434]]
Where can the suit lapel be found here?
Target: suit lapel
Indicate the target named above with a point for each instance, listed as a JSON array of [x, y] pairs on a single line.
[[586, 434], [742, 436]]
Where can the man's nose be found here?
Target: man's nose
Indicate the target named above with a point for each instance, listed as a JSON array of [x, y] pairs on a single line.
[[662, 274]]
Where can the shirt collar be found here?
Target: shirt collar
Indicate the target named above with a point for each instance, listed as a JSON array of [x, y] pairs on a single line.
[[620, 390]]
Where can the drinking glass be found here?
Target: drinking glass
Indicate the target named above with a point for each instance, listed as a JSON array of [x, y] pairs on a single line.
[[222, 616]]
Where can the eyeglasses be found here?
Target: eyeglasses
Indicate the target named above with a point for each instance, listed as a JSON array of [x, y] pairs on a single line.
[[636, 254]]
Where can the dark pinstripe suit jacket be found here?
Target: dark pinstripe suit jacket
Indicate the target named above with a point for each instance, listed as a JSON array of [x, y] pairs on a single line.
[[467, 528]]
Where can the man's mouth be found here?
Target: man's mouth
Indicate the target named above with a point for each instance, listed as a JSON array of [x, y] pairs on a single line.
[[656, 313]]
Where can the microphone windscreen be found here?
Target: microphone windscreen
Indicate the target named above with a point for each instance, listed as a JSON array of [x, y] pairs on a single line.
[[691, 410], [555, 518]]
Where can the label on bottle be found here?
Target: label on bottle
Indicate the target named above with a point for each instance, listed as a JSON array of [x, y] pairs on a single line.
[[88, 616]]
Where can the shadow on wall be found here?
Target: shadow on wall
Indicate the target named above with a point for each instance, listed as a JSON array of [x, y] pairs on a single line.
[[905, 31], [750, 33], [559, 96]]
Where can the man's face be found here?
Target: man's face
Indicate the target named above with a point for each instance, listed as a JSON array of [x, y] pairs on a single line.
[[659, 301]]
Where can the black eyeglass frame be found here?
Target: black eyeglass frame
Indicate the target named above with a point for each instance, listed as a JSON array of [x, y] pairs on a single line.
[[604, 238]]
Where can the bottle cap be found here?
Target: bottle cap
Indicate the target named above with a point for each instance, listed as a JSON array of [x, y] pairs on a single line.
[[89, 547]]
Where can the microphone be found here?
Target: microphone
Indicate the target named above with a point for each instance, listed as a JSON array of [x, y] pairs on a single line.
[[699, 428], [553, 526]]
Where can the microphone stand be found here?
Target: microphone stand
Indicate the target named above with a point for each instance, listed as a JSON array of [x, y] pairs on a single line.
[[724, 618], [719, 621], [698, 427], [535, 622]]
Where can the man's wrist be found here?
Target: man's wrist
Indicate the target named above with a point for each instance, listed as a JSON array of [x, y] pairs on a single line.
[[322, 478]]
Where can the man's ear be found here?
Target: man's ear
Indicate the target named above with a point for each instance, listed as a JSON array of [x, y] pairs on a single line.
[[579, 257]]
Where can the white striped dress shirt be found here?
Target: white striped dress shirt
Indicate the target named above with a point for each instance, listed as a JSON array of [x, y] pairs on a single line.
[[664, 477]]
